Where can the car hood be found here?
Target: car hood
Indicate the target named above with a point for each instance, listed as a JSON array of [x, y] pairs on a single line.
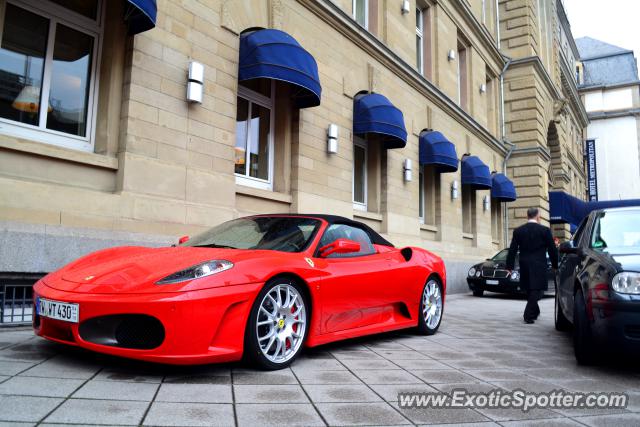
[[492, 264], [137, 269]]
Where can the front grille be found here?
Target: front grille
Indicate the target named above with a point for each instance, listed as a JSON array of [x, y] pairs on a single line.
[[136, 331], [494, 273]]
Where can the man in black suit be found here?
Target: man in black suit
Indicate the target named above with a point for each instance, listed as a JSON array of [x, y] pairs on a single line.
[[533, 240]]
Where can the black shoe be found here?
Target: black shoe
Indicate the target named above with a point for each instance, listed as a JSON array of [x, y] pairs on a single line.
[[528, 321]]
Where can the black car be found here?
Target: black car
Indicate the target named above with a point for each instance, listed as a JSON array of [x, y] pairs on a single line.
[[599, 283], [492, 276]]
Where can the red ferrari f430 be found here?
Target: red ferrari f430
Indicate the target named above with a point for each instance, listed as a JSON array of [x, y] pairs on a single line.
[[262, 287]]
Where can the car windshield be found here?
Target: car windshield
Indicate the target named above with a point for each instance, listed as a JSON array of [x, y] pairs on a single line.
[[501, 256], [617, 231], [286, 234]]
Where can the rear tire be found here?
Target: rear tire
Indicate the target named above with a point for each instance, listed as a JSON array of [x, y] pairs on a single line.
[[278, 325], [478, 292], [561, 321], [582, 339], [431, 307]]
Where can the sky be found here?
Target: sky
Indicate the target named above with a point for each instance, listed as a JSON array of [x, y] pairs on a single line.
[[612, 21]]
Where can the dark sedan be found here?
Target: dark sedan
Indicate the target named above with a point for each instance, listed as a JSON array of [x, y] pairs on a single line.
[[599, 283], [491, 275]]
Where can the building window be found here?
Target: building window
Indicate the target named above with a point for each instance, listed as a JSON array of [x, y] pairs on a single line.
[[254, 134], [462, 72], [361, 12], [360, 172], [468, 209], [48, 63], [496, 221], [429, 197]]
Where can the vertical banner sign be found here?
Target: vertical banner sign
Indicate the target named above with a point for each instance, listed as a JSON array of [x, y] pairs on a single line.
[[592, 175]]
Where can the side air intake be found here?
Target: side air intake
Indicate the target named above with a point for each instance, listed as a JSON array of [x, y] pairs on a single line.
[[407, 253]]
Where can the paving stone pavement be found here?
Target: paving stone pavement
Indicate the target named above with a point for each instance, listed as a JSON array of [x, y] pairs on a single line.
[[482, 345]]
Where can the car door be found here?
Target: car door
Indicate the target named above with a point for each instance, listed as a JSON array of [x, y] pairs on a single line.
[[568, 268], [350, 291]]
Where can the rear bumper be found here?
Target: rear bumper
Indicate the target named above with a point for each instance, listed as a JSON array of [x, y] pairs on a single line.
[[199, 327]]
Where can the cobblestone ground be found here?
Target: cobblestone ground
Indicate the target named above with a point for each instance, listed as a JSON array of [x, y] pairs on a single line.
[[482, 345]]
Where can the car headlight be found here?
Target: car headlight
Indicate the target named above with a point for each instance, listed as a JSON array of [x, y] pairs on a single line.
[[472, 271], [197, 271], [478, 273], [515, 276], [626, 283]]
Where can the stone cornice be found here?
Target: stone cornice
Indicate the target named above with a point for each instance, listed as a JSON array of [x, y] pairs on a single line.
[[540, 151], [535, 62], [602, 115], [342, 22]]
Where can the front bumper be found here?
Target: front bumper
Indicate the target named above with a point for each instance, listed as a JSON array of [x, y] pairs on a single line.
[[504, 285], [203, 326]]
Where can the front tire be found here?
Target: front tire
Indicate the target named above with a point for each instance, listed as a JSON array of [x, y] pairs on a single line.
[[431, 307], [478, 292], [278, 325], [561, 322], [582, 339]]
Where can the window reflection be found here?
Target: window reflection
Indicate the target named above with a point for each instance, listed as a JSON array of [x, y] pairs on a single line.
[[241, 136], [259, 142], [69, 93], [22, 52]]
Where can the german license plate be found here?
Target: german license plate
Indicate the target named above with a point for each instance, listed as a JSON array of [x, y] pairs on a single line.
[[492, 282], [64, 311]]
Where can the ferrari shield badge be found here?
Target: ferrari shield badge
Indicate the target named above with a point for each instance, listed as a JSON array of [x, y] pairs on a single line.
[[310, 262]]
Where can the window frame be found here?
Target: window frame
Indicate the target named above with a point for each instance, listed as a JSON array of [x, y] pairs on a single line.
[[420, 36], [366, 13], [56, 15], [253, 97], [362, 143]]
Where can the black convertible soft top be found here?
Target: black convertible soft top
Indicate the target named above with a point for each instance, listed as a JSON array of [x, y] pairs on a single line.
[[335, 219]]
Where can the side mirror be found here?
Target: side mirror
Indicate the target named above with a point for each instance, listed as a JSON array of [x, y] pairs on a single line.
[[567, 248], [183, 239], [340, 246]]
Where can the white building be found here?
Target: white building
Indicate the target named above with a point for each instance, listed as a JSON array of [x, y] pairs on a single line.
[[609, 85]]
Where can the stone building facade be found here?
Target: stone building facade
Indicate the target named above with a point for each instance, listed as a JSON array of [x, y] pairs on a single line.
[[119, 156], [544, 116]]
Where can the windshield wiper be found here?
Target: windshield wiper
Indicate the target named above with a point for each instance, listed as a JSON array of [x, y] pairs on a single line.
[[213, 245]]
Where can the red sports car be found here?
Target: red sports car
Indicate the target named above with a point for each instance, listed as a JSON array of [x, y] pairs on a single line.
[[261, 286]]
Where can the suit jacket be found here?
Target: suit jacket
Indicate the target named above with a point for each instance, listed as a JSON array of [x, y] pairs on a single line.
[[533, 240]]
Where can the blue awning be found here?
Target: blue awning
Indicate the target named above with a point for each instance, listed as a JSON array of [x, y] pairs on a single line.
[[475, 173], [141, 15], [274, 54], [502, 188], [565, 208], [437, 150], [374, 113]]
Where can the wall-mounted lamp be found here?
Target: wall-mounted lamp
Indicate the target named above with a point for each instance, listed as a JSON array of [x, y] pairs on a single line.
[[483, 88], [332, 139], [486, 203], [451, 56], [406, 6], [454, 190], [195, 82], [407, 169]]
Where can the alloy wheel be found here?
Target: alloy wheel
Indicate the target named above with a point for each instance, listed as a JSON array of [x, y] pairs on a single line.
[[432, 304], [281, 323]]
